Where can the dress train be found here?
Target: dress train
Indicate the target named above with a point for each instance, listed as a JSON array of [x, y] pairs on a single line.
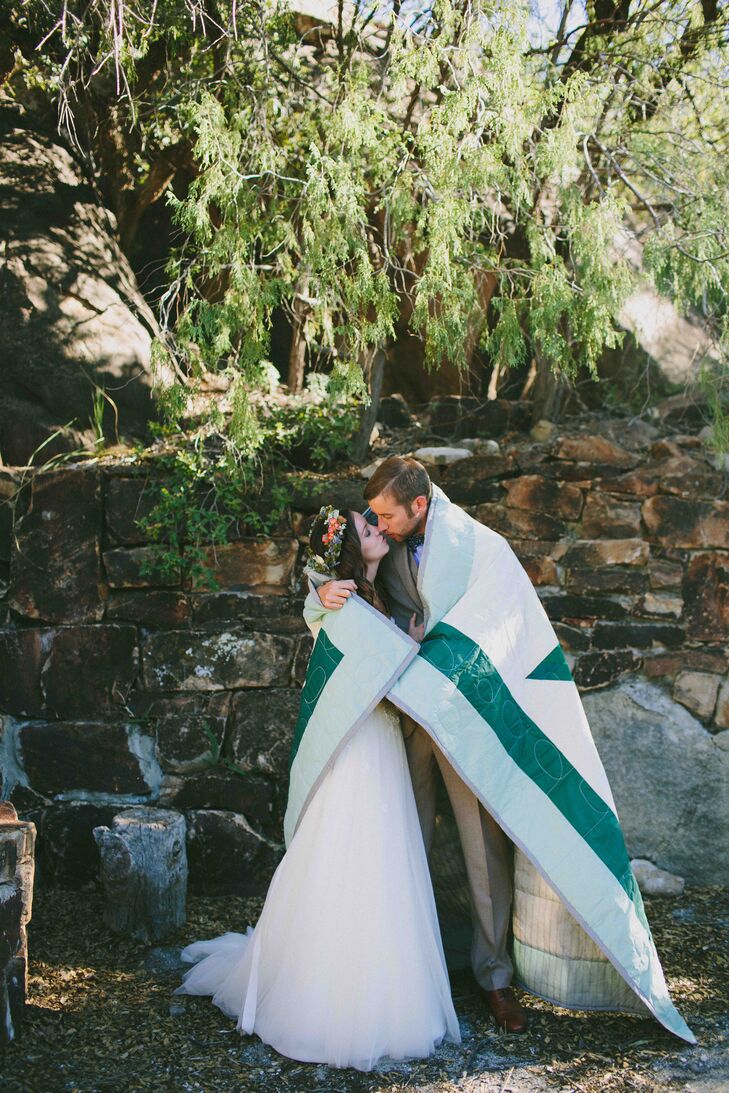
[[345, 964]]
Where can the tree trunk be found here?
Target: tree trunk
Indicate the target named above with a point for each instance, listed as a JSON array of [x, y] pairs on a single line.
[[144, 872], [161, 174], [297, 353], [374, 370], [17, 870], [548, 392]]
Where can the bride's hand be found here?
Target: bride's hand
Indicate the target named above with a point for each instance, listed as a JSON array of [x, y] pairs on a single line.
[[335, 594], [416, 630]]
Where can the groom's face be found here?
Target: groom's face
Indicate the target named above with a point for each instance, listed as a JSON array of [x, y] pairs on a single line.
[[398, 521]]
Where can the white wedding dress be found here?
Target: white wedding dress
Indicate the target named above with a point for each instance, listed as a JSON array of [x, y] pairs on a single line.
[[346, 963]]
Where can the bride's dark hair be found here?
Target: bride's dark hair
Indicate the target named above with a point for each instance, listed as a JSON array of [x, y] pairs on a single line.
[[351, 564]]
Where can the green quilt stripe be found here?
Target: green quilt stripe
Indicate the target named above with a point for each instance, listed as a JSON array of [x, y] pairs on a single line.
[[462, 661], [323, 661], [554, 666]]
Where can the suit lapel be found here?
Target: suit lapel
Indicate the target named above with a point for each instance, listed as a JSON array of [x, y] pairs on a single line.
[[401, 560]]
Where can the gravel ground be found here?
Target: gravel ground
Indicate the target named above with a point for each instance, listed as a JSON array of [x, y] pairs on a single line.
[[101, 1016]]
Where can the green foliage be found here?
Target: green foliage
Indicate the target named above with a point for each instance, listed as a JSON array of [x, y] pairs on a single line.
[[198, 502], [379, 178], [505, 342], [316, 434], [218, 485], [214, 758], [714, 382], [204, 497], [97, 416], [604, 280]]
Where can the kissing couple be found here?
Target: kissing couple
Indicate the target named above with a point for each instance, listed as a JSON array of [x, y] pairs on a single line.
[[432, 648]]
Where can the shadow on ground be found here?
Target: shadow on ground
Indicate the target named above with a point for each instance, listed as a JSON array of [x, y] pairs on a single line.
[[102, 1017]]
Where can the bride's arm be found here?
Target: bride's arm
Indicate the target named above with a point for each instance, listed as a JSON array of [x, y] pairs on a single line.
[[332, 594], [314, 609], [314, 612]]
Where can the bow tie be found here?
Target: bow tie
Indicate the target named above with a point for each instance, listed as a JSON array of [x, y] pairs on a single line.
[[414, 541]]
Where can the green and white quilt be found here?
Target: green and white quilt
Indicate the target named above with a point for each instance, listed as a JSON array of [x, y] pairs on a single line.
[[491, 685]]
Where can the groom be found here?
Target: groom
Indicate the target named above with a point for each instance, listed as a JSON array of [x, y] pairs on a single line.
[[399, 494]]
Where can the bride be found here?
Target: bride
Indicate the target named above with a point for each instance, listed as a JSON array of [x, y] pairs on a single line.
[[345, 964]]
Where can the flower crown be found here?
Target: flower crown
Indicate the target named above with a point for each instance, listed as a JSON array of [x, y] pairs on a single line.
[[332, 538]]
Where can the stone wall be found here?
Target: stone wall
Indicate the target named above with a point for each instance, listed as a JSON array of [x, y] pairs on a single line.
[[117, 690]]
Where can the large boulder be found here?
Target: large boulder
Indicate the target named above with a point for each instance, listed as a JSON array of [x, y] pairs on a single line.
[[662, 349], [669, 776], [73, 317]]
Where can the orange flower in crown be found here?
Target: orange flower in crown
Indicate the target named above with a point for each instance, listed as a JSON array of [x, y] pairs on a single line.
[[331, 539]]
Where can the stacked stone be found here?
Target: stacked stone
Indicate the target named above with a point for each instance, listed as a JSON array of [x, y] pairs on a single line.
[[118, 689]]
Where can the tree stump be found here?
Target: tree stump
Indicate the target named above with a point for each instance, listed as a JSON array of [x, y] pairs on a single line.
[[144, 872], [17, 868]]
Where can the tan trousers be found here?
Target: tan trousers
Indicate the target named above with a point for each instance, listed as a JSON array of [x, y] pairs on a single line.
[[486, 850]]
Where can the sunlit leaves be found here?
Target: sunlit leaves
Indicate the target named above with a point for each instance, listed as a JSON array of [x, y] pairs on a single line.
[[506, 342], [367, 183]]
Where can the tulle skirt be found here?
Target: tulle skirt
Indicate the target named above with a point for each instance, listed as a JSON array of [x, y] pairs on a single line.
[[346, 963]]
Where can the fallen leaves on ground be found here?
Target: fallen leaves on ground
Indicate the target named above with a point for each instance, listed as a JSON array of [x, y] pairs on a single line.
[[101, 1016]]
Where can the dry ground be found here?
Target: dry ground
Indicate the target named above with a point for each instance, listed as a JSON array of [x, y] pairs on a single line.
[[101, 1016]]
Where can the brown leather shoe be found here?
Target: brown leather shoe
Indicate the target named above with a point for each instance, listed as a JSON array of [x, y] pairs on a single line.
[[509, 1015]]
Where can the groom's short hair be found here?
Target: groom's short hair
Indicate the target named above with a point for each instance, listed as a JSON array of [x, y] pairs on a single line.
[[402, 477]]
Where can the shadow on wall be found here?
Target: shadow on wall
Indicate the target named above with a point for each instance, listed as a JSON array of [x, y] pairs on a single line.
[[72, 314]]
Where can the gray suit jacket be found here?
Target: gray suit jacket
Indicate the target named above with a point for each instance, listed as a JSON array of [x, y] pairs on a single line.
[[399, 573]]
